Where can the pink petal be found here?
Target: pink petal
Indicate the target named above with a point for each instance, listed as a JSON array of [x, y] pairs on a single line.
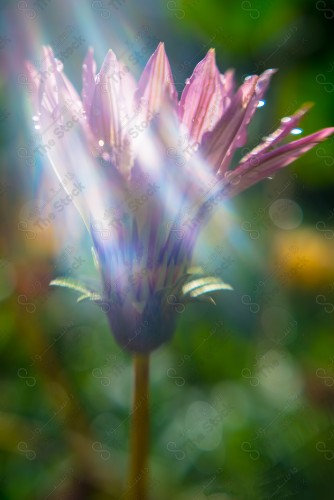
[[216, 144], [264, 165], [127, 89], [201, 103], [63, 140], [48, 87], [55, 90], [155, 81], [228, 82], [241, 136], [88, 79], [287, 124], [34, 81], [104, 117]]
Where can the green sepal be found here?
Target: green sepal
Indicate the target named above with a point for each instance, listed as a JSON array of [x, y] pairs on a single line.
[[193, 287], [90, 296], [77, 286], [204, 284]]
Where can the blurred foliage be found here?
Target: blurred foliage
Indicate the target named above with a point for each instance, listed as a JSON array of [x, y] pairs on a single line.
[[242, 399]]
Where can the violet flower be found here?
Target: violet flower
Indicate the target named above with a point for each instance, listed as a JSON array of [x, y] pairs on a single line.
[[146, 171], [153, 169]]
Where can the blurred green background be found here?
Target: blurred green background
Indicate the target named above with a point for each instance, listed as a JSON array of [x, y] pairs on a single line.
[[242, 399]]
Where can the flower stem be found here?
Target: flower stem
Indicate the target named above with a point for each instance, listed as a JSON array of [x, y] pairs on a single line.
[[140, 430]]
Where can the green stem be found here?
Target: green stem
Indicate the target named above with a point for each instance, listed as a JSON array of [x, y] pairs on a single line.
[[140, 430]]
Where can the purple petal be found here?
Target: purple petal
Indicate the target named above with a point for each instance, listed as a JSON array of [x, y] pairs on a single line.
[[34, 80], [88, 79], [287, 124], [55, 90], [216, 144], [104, 117], [241, 136], [67, 148], [48, 88], [264, 165], [228, 82], [156, 80], [201, 103]]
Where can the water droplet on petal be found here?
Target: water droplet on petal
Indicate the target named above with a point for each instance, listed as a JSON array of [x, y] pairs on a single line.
[[187, 81], [296, 131], [247, 78], [286, 119], [35, 118], [261, 103], [59, 65], [226, 101], [37, 127], [101, 143]]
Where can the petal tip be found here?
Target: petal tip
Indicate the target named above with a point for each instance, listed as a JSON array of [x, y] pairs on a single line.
[[161, 49]]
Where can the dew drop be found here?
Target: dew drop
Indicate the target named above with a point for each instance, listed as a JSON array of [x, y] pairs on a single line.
[[247, 78], [261, 103], [37, 127], [59, 65], [101, 143], [226, 101], [35, 118], [296, 131], [286, 119], [187, 81]]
